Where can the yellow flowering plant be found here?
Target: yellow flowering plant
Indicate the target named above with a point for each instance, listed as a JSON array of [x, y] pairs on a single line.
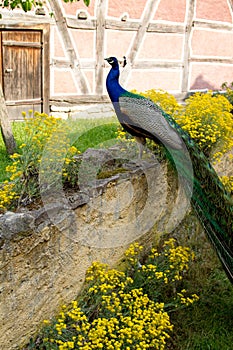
[[165, 100], [227, 182], [117, 311], [40, 131], [208, 120], [7, 195], [206, 117], [162, 271], [127, 143]]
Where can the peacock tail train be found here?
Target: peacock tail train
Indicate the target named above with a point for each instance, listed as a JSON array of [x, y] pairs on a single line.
[[210, 200]]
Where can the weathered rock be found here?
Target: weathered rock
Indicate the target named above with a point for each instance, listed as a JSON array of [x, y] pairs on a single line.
[[45, 252], [14, 225]]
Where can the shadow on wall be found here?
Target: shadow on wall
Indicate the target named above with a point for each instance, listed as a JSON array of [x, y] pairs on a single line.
[[200, 83]]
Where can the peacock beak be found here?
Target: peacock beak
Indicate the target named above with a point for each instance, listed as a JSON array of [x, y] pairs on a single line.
[[109, 60], [113, 60]]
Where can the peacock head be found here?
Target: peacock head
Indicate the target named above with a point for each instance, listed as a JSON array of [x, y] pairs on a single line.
[[114, 62]]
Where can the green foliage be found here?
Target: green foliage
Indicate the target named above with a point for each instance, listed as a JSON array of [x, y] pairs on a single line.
[[26, 5], [207, 324], [229, 91], [4, 157], [86, 2], [94, 134], [115, 310]]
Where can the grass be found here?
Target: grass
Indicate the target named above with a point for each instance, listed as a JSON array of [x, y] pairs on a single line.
[[207, 324], [95, 133], [4, 158]]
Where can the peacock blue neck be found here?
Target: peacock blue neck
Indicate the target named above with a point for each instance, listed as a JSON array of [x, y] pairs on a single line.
[[113, 86]]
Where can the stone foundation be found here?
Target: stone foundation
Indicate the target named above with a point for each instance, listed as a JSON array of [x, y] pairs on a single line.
[[44, 253]]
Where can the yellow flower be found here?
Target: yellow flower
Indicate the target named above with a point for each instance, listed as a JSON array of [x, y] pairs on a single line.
[[46, 322]]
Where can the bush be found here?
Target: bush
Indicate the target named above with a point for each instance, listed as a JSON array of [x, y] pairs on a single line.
[[208, 120], [125, 310], [42, 130], [206, 117]]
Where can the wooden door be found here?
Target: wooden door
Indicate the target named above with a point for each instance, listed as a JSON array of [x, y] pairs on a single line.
[[22, 74]]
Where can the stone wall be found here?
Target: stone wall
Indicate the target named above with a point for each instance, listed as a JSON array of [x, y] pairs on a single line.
[[82, 110], [45, 252]]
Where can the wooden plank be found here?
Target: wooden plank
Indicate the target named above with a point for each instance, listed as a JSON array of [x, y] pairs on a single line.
[[166, 28], [23, 20], [24, 44], [89, 24], [22, 36], [64, 63], [24, 102], [78, 99], [143, 64], [60, 63], [46, 67], [116, 24], [191, 5], [212, 25], [99, 51], [133, 25], [5, 125], [139, 64], [212, 60], [68, 45], [35, 70]]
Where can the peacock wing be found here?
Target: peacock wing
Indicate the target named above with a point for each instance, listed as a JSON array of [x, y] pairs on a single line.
[[141, 111]]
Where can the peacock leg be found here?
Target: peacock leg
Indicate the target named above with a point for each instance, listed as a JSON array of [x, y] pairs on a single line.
[[141, 141]]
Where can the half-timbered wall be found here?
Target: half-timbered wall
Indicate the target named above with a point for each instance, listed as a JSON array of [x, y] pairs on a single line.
[[176, 45]]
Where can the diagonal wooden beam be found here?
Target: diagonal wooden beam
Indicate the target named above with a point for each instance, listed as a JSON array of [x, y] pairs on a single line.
[[100, 44], [69, 48], [231, 5], [147, 16]]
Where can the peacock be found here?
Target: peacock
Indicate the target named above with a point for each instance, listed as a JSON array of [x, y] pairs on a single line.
[[143, 119]]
